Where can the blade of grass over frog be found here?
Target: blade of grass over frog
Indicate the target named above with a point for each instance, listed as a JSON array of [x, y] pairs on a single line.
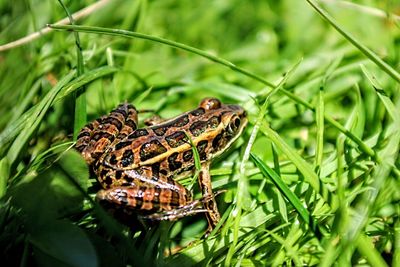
[[33, 121], [16, 126], [118, 32], [80, 96], [197, 162], [365, 50], [242, 194], [293, 199]]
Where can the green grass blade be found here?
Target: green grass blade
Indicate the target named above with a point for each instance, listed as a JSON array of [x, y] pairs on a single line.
[[80, 96], [291, 197], [390, 107], [34, 120], [366, 248], [309, 175], [242, 196], [319, 120], [365, 50], [396, 256], [117, 32], [14, 128]]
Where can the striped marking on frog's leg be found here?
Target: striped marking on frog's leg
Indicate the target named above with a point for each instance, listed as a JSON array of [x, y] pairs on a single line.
[[143, 199], [191, 208], [96, 136]]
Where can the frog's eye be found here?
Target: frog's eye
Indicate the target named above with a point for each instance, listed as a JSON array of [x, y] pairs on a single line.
[[210, 103], [233, 126]]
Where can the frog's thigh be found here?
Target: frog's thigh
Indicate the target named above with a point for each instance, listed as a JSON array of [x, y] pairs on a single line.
[[151, 199]]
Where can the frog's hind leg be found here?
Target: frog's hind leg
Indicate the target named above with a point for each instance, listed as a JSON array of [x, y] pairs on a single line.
[[190, 208], [143, 200], [97, 135]]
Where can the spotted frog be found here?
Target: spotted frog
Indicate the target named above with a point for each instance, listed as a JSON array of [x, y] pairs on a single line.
[[136, 166]]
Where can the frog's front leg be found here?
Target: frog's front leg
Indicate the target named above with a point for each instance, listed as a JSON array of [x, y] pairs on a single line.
[[212, 214]]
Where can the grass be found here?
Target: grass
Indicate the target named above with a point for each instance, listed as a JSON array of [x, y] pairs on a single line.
[[314, 179]]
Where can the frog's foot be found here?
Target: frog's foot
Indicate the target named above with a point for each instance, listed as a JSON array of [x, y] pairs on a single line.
[[97, 136]]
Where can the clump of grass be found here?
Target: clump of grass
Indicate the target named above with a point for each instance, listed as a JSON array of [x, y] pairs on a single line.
[[314, 179]]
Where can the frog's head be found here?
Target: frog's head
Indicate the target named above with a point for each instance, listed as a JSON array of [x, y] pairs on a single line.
[[232, 120]]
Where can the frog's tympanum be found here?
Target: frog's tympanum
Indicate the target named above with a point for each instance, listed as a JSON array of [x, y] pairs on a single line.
[[136, 166]]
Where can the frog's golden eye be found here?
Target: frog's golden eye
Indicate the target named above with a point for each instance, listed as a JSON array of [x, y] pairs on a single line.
[[210, 103]]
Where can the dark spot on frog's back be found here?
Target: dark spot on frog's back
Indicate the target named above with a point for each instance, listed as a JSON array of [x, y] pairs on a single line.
[[180, 121], [151, 149], [155, 170], [83, 134], [101, 134], [113, 121], [197, 112], [160, 130], [217, 141], [122, 145], [118, 174], [113, 159], [213, 122], [138, 133], [187, 155], [201, 148], [198, 127], [127, 158], [176, 139], [108, 181], [172, 163], [130, 123]]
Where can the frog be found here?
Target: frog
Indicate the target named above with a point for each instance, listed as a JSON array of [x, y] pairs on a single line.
[[137, 166]]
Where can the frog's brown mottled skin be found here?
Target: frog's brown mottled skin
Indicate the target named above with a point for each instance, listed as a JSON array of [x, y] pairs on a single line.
[[136, 166]]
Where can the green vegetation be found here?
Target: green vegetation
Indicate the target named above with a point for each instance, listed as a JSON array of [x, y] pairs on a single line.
[[314, 179]]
